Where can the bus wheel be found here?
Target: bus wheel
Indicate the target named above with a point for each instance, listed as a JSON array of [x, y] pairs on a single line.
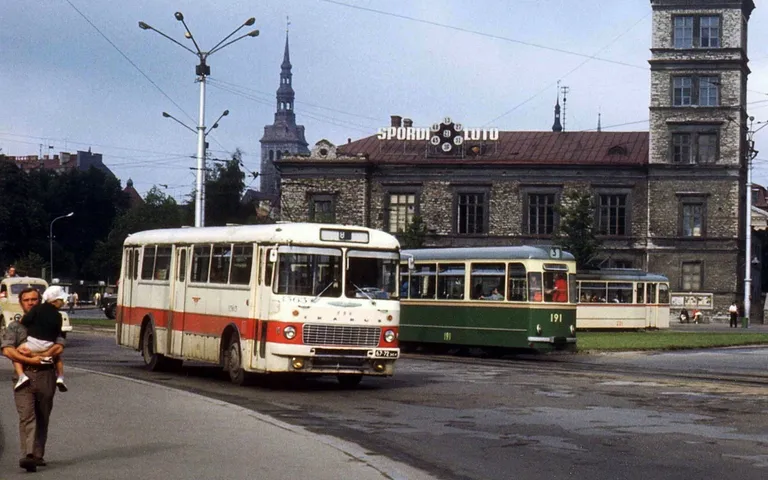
[[153, 361], [233, 363], [349, 381]]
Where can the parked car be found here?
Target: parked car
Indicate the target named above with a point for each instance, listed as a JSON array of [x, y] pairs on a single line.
[[10, 310], [109, 305]]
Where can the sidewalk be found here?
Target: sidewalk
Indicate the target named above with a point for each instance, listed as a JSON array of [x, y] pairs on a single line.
[[117, 428]]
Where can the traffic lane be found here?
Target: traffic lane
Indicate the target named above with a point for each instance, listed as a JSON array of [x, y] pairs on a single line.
[[461, 421]]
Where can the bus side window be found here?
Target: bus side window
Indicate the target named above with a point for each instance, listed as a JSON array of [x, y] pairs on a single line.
[[242, 260], [201, 259], [135, 274], [162, 263], [148, 262], [182, 276], [222, 254], [268, 266], [517, 283]]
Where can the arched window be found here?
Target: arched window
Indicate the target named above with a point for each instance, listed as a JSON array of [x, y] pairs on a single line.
[[271, 155]]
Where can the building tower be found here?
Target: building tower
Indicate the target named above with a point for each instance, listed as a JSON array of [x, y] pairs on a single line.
[[697, 148], [557, 127], [283, 137]]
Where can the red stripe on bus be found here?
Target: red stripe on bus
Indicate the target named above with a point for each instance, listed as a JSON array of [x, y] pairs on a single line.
[[193, 323]]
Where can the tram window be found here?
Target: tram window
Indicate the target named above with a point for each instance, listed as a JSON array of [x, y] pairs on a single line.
[[424, 281], [404, 280], [651, 293], [162, 263], [534, 287], [640, 293], [201, 259], [663, 293], [517, 291], [485, 277], [222, 254], [593, 292], [242, 260], [619, 292], [555, 287], [450, 281], [148, 262]]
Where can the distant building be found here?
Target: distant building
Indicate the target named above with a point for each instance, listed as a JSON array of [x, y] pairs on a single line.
[[134, 198], [61, 162], [283, 137]]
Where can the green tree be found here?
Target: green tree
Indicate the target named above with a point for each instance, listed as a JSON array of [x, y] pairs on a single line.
[[31, 265], [577, 233], [223, 190], [22, 216], [414, 235]]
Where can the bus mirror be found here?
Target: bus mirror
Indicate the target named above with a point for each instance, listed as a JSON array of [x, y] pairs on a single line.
[[273, 255], [410, 263]]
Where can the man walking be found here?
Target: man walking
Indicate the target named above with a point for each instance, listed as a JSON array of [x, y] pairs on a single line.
[[34, 402]]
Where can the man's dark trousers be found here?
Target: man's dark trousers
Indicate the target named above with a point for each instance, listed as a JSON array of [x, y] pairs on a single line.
[[34, 403]]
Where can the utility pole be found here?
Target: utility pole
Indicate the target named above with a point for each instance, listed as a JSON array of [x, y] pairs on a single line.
[[751, 154], [565, 99]]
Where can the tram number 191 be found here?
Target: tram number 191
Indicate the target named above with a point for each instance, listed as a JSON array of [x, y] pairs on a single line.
[[556, 317]]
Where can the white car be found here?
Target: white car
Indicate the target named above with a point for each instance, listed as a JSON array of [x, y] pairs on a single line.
[[10, 309]]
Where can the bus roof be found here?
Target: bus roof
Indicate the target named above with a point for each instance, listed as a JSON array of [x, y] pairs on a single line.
[[485, 253], [621, 274], [283, 233]]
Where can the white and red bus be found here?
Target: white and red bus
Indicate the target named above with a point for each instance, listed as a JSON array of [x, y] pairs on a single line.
[[308, 298]]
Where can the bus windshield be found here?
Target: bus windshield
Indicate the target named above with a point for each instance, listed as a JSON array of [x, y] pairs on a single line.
[[372, 274], [309, 271]]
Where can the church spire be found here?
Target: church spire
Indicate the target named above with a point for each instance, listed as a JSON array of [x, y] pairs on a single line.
[[285, 94], [557, 127], [599, 127]]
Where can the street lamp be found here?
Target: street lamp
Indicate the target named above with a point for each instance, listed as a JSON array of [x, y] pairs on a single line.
[[751, 154], [202, 70], [51, 238]]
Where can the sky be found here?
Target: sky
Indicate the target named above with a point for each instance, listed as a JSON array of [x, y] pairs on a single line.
[[80, 74]]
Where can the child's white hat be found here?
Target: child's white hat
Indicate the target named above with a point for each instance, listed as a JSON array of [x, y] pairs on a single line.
[[54, 293]]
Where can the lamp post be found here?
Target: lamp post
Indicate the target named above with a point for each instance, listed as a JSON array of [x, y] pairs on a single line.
[[751, 154], [51, 238], [202, 70]]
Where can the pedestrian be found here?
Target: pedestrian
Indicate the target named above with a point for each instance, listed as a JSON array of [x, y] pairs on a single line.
[[733, 311], [11, 272], [71, 303], [684, 318], [43, 323], [35, 402]]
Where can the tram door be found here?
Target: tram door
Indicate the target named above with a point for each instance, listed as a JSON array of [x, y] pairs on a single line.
[[651, 306], [178, 302]]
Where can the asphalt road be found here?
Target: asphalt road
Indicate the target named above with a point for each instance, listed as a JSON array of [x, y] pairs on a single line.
[[628, 416]]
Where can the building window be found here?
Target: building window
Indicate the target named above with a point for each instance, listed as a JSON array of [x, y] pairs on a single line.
[[541, 213], [612, 218], [691, 277], [322, 209], [692, 90], [694, 147], [693, 219], [696, 32], [470, 213], [402, 208], [709, 32]]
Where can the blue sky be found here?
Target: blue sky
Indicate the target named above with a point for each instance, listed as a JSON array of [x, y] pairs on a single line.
[[80, 73]]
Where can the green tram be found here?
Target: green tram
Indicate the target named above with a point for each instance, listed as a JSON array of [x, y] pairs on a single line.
[[498, 299]]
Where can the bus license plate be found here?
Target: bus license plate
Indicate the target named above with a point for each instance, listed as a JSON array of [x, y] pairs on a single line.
[[385, 353]]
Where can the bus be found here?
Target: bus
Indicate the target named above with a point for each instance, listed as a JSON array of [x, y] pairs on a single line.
[[622, 298], [496, 299], [309, 299]]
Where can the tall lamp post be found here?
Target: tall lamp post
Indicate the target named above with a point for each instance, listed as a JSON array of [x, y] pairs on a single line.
[[751, 154], [51, 238], [202, 70]]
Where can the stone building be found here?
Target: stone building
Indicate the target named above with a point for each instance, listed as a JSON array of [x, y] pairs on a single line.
[[670, 200], [283, 137]]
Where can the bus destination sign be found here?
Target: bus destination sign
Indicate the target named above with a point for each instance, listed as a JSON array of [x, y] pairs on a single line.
[[338, 235]]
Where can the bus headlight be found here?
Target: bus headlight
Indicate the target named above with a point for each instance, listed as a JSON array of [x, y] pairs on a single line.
[[573, 329], [289, 332], [538, 329], [389, 336], [297, 363]]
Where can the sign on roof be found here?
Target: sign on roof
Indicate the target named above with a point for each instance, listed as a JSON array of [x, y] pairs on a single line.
[[446, 137]]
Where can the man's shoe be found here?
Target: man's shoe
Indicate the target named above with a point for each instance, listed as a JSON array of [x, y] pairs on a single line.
[[40, 462], [28, 463], [61, 385]]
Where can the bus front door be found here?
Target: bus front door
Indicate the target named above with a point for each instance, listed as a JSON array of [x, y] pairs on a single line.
[[178, 302]]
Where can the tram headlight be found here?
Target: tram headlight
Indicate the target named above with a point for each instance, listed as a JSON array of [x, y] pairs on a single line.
[[389, 336], [573, 329], [289, 332], [538, 329]]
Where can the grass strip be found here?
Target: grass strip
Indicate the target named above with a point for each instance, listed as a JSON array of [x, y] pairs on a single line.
[[92, 322], [660, 340]]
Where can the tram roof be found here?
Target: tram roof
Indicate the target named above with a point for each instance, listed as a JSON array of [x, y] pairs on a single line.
[[621, 274], [485, 253], [283, 233]]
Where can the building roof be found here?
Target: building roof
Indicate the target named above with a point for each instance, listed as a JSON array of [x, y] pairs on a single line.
[[517, 148]]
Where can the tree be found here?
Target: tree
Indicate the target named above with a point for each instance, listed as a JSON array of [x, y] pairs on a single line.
[[577, 227], [31, 265], [414, 235], [223, 191]]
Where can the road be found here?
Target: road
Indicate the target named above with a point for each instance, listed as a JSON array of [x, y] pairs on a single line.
[[628, 416]]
